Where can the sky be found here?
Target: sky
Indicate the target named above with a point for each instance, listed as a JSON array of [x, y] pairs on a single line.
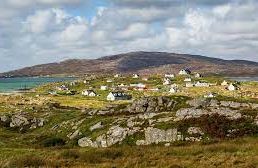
[[43, 31]]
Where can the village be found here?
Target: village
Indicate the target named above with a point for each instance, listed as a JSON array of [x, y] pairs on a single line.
[[128, 87]]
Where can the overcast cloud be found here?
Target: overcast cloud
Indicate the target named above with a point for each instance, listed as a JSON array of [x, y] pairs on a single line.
[[42, 31]]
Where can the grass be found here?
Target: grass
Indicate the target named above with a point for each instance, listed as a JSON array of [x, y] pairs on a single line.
[[241, 153]]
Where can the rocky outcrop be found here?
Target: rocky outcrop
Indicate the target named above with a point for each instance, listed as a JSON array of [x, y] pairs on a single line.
[[156, 136], [114, 135], [152, 105], [96, 126], [195, 113], [21, 121]]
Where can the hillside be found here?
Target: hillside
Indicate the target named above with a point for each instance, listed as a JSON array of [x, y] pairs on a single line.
[[143, 63]]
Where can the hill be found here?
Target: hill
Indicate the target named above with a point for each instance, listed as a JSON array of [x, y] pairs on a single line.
[[143, 63]]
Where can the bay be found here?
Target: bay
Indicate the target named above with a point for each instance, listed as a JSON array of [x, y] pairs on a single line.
[[15, 84]]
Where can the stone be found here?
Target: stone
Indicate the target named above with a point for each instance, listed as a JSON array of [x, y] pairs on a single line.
[[195, 113], [155, 135], [18, 121], [167, 144], [201, 102], [195, 130], [74, 134], [140, 142], [96, 126], [86, 142]]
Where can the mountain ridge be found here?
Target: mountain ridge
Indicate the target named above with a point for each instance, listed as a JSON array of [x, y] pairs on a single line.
[[141, 62]]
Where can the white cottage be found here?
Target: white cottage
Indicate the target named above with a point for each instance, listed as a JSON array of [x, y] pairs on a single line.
[[189, 84], [117, 75], [232, 87], [202, 84], [184, 72], [103, 87], [210, 95], [169, 75], [224, 83], [197, 75], [112, 96], [166, 81], [173, 90], [89, 93], [136, 76], [187, 80]]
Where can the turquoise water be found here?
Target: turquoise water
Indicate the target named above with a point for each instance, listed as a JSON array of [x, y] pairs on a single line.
[[14, 84]]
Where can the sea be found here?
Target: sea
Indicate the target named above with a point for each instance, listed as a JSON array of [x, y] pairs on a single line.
[[244, 79], [8, 85]]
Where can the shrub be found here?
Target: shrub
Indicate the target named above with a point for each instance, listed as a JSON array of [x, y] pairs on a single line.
[[53, 141]]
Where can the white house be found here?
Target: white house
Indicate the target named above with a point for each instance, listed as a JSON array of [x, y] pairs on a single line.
[[109, 81], [154, 89], [187, 80], [202, 84], [232, 87], [184, 72], [90, 93], [117, 75], [173, 90], [189, 84], [103, 87], [112, 96], [62, 88], [135, 76], [169, 75], [166, 81], [210, 95], [224, 83], [145, 79], [197, 75]]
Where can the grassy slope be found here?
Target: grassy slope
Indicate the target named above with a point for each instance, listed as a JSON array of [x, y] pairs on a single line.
[[234, 153]]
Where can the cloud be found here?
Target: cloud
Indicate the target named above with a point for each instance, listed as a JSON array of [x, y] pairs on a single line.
[[41, 31]]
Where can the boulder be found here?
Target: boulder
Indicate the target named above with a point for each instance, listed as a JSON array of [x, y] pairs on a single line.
[[152, 105], [155, 135], [195, 113], [96, 126], [18, 121], [87, 142], [74, 134]]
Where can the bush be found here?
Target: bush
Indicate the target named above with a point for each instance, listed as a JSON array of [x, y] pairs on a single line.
[[220, 127], [52, 142]]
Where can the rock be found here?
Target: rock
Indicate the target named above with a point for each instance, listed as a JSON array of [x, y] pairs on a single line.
[[86, 142], [152, 105], [167, 144], [140, 142], [96, 126], [254, 106], [74, 134], [35, 123], [201, 102], [5, 119], [195, 113], [194, 131], [18, 121], [114, 135], [155, 135]]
